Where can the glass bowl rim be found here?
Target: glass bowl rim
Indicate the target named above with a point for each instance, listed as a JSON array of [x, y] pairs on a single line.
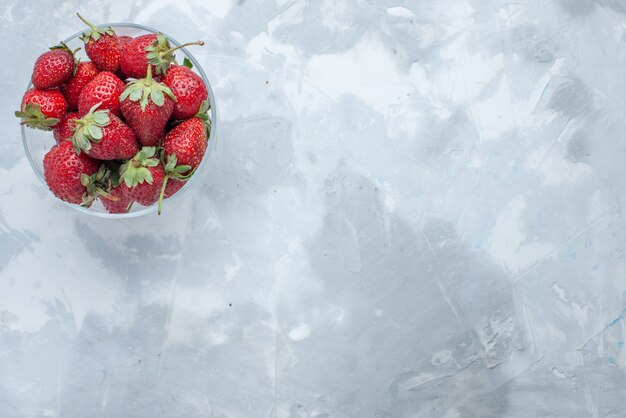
[[150, 209]]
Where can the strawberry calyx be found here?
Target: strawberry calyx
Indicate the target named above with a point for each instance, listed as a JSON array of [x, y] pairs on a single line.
[[147, 88], [175, 171], [94, 33], [33, 117], [96, 185], [89, 128], [135, 171], [161, 53], [203, 114]]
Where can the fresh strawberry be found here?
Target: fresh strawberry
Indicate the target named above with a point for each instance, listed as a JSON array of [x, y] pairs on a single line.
[[69, 175], [121, 205], [188, 88], [102, 47], [104, 136], [151, 49], [85, 72], [42, 109], [142, 176], [147, 106], [64, 130], [188, 140], [54, 67], [104, 88], [183, 148]]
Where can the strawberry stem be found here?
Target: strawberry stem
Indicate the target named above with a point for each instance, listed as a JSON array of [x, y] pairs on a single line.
[[162, 194], [182, 46], [86, 21]]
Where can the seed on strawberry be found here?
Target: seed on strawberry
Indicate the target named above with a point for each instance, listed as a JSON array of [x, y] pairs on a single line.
[[85, 72], [104, 136], [102, 46], [66, 173], [142, 176], [188, 88], [121, 205], [42, 109], [54, 67], [147, 106], [104, 88], [64, 130], [149, 50]]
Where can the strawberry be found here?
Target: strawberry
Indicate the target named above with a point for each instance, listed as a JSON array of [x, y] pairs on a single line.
[[149, 50], [102, 47], [54, 67], [104, 136], [188, 140], [85, 72], [142, 176], [188, 88], [42, 109], [184, 146], [147, 106], [104, 88], [69, 175], [64, 130], [121, 205]]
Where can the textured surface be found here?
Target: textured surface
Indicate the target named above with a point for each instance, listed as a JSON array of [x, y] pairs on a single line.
[[413, 211]]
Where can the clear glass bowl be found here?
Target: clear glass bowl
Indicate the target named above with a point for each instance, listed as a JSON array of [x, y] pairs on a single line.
[[37, 143]]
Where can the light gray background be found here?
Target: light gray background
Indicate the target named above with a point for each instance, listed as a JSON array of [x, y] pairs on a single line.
[[414, 210]]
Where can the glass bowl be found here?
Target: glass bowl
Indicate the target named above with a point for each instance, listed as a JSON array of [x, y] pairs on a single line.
[[37, 143]]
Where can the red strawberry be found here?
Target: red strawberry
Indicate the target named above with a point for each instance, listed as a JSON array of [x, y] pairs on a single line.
[[121, 205], [147, 106], [102, 47], [188, 140], [85, 72], [188, 88], [104, 88], [151, 49], [68, 174], [104, 136], [54, 67], [184, 146], [42, 109], [64, 130], [141, 178]]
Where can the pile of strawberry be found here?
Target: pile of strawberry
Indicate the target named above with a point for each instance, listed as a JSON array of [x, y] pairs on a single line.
[[131, 125]]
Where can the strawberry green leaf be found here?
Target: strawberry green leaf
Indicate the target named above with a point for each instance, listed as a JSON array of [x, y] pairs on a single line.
[[187, 63], [182, 169], [85, 179], [157, 97], [95, 132], [33, 117], [135, 94], [101, 118]]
